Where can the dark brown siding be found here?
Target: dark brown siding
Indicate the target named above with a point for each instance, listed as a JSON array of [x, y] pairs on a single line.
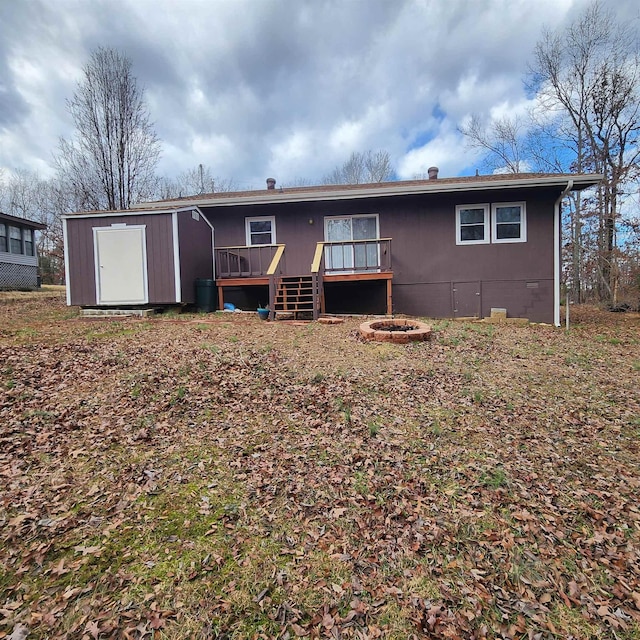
[[160, 269], [196, 253], [426, 260]]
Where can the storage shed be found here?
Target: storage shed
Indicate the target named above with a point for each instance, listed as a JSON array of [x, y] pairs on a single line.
[[133, 258]]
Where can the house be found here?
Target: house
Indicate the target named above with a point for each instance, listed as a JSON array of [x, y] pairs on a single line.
[[18, 253], [442, 247]]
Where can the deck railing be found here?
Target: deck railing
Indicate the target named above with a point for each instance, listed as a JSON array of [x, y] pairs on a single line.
[[353, 256], [249, 262]]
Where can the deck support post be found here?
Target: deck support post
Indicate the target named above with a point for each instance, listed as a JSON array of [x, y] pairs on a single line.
[[315, 292], [272, 297]]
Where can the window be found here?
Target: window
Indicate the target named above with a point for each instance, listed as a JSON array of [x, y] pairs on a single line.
[[346, 254], [28, 242], [509, 222], [15, 238], [3, 237], [260, 230], [472, 224]]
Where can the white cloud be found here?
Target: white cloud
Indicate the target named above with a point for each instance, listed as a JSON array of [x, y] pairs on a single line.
[[446, 151], [292, 150], [345, 136], [277, 87]]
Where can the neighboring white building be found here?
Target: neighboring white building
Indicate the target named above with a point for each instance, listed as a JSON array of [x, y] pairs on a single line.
[[18, 252]]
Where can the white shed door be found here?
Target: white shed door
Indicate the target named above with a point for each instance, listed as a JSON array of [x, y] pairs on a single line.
[[121, 265]]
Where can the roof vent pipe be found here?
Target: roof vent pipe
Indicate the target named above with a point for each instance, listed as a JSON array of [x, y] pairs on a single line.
[[271, 183], [433, 173]]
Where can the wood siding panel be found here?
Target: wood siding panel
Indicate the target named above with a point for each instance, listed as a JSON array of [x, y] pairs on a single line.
[[159, 237], [432, 300], [521, 298], [81, 276], [162, 288], [196, 253]]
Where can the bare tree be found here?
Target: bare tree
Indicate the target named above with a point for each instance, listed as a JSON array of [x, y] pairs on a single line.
[[3, 189], [24, 194], [371, 166], [588, 80], [501, 140], [200, 180], [59, 199], [111, 160], [196, 181], [297, 181], [193, 182]]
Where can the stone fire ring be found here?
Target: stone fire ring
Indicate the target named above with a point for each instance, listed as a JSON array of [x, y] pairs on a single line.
[[373, 330]]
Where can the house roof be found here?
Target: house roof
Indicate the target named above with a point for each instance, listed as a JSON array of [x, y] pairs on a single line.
[[380, 189], [5, 217]]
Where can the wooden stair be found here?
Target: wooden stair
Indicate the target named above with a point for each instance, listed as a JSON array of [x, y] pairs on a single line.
[[294, 294]]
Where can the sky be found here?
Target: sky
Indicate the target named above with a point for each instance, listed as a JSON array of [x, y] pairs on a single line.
[[279, 88]]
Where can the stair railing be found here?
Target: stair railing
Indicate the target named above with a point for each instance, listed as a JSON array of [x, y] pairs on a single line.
[[317, 269], [274, 268]]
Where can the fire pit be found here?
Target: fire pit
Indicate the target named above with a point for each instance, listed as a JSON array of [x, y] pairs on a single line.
[[397, 330]]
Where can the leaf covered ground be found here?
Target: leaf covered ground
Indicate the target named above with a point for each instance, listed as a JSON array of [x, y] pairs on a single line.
[[217, 476]]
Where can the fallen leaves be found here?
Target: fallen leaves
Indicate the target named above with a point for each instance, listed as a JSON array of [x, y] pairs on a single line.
[[164, 478]]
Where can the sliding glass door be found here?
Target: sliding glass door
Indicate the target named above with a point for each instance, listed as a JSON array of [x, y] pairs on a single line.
[[346, 253]]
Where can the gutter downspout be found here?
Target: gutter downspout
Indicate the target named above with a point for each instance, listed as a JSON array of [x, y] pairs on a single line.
[[556, 253]]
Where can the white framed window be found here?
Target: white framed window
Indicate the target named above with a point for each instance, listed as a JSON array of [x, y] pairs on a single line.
[[15, 240], [260, 230], [472, 224], [4, 246], [345, 254], [508, 222], [28, 242]]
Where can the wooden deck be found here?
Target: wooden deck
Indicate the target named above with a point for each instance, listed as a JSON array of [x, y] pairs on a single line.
[[359, 277], [221, 283]]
